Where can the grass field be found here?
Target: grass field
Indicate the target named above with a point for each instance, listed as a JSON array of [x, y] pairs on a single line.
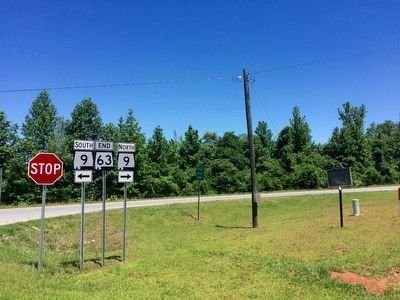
[[172, 255]]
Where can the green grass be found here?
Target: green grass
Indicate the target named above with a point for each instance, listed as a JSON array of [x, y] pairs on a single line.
[[172, 255]]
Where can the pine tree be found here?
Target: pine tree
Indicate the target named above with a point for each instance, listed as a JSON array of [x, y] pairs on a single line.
[[40, 123]]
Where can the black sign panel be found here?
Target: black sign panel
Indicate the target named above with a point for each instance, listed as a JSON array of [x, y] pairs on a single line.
[[339, 176]]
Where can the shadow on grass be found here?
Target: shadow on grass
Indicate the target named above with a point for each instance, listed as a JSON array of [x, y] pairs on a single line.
[[96, 261], [194, 217], [76, 263], [233, 227]]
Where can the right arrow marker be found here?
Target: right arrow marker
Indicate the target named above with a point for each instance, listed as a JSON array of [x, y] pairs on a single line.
[[125, 176]]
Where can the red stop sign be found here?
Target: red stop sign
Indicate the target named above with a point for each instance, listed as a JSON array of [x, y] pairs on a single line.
[[45, 168]]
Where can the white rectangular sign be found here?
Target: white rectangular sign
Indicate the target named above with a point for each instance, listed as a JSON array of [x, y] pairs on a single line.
[[83, 176], [83, 160], [103, 160], [124, 147], [104, 146], [126, 161], [83, 145], [125, 176]]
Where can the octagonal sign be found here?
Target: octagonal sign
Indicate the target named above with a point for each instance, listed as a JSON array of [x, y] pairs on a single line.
[[45, 168]]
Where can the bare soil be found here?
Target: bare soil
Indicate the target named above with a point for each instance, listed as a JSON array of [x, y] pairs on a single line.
[[374, 286]]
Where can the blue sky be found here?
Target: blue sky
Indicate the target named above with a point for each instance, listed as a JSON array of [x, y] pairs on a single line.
[[355, 46]]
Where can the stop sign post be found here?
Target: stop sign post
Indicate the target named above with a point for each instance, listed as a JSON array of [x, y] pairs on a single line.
[[44, 169]]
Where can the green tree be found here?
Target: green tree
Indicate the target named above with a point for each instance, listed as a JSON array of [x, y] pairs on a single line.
[[189, 149], [207, 154], [263, 139], [131, 132], [263, 144], [7, 139], [226, 178], [38, 132], [85, 124], [85, 121], [234, 149], [161, 181], [158, 151], [300, 131], [348, 145], [284, 148], [10, 162], [64, 189], [383, 140], [40, 123]]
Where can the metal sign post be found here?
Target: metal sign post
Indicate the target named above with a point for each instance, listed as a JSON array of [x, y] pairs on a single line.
[[124, 231], [338, 177], [1, 182], [41, 237], [341, 206], [82, 240], [398, 199], [199, 177], [103, 160], [44, 169], [198, 200], [83, 160], [126, 164], [103, 220]]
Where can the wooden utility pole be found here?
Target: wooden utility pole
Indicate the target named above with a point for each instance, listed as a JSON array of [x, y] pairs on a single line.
[[254, 200]]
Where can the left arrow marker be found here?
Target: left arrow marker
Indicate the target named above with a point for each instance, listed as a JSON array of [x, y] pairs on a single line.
[[83, 176]]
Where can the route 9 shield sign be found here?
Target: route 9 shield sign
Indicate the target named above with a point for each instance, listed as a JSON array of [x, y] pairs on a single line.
[[83, 160], [126, 161]]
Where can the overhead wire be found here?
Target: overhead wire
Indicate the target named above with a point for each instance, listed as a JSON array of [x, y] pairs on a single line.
[[126, 84], [182, 81], [323, 61]]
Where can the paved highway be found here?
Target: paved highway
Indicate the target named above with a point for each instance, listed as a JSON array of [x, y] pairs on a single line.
[[15, 215]]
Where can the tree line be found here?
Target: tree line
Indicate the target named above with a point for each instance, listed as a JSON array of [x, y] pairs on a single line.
[[166, 167]]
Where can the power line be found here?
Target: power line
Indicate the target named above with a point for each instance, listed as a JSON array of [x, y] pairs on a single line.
[[321, 61], [160, 82], [183, 81]]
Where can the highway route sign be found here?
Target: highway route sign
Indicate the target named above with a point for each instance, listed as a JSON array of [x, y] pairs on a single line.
[[103, 160], [126, 161], [83, 160], [126, 158]]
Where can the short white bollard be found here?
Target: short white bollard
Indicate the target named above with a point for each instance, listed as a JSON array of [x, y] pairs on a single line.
[[356, 207]]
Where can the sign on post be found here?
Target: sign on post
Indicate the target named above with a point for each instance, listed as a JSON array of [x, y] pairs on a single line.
[[103, 161], [104, 155], [83, 165], [83, 160], [1, 181], [200, 172], [83, 176], [126, 164], [339, 177], [125, 176], [126, 158], [44, 169]]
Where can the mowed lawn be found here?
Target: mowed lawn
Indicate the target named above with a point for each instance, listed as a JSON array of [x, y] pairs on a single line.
[[172, 255]]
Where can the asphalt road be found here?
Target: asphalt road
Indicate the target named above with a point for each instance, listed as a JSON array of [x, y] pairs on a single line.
[[16, 215]]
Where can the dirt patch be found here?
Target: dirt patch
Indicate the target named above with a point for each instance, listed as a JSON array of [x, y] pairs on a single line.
[[373, 286]]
